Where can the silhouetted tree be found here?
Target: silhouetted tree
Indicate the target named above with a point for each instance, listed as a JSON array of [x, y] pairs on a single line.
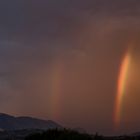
[[98, 137]]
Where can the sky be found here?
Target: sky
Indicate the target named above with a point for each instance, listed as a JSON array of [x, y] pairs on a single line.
[[60, 60]]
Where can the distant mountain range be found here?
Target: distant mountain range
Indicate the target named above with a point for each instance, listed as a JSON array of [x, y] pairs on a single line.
[[8, 122]]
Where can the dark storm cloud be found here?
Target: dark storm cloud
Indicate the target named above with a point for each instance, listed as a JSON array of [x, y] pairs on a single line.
[[46, 19], [86, 36]]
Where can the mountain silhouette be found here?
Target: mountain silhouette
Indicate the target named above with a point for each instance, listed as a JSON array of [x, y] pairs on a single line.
[[8, 122]]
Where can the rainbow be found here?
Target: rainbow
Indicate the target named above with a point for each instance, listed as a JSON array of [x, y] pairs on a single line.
[[122, 83], [56, 83]]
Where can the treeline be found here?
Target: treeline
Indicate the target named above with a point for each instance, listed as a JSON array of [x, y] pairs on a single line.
[[67, 134]]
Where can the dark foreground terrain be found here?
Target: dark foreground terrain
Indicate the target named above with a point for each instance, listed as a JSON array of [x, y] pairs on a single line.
[[28, 128], [57, 134]]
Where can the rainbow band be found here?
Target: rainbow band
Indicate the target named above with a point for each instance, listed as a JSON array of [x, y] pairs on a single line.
[[56, 82], [122, 82]]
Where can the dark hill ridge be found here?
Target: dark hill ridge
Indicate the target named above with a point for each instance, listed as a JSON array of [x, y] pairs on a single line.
[[8, 122]]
